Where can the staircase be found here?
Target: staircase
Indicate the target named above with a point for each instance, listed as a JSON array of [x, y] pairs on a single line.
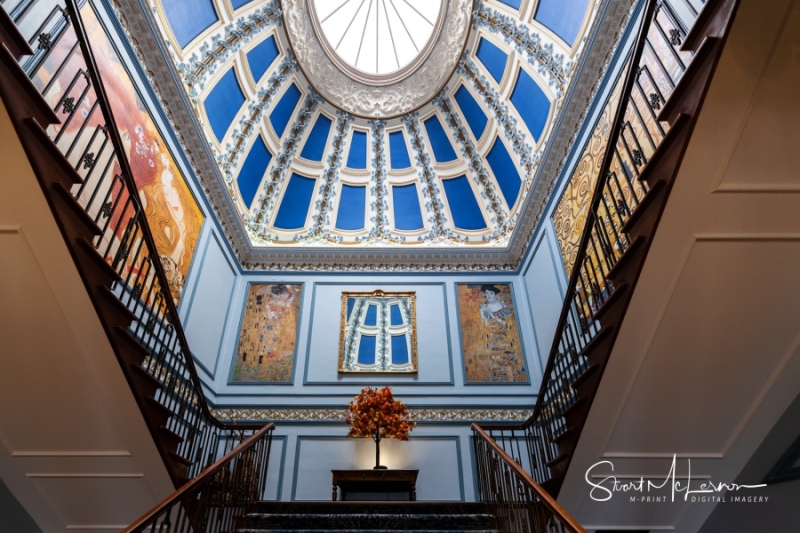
[[419, 517], [660, 101], [80, 162]]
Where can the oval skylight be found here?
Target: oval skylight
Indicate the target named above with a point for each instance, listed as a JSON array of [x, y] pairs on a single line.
[[382, 39]]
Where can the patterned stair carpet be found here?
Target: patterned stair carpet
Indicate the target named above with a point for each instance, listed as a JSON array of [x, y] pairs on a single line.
[[365, 517]]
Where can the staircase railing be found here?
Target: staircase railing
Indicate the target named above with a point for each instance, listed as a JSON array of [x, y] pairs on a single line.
[[633, 145], [219, 497], [515, 500], [61, 65]]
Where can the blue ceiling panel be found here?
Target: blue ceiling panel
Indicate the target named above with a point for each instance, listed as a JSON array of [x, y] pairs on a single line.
[[188, 18], [223, 103], [293, 211], [512, 3], [492, 58], [475, 116], [531, 103], [463, 205], [399, 350], [407, 215], [252, 171], [357, 158], [317, 139], [562, 17], [262, 56], [505, 172], [398, 151], [239, 3], [284, 109], [352, 204], [366, 350], [442, 149]]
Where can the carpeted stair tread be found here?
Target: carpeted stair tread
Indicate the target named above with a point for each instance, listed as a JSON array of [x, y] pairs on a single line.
[[352, 507], [369, 516], [248, 530], [373, 520]]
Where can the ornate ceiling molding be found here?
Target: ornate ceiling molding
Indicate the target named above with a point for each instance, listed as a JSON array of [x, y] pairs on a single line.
[[338, 415], [152, 53], [390, 100]]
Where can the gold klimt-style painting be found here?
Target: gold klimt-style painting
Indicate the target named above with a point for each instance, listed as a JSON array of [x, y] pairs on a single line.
[[171, 211], [569, 217], [490, 334], [268, 337]]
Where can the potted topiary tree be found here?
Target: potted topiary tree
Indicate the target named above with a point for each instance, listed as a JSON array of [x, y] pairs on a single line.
[[377, 415]]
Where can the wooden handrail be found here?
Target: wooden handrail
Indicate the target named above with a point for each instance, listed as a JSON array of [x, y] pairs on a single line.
[[527, 480], [192, 484], [630, 78], [127, 175]]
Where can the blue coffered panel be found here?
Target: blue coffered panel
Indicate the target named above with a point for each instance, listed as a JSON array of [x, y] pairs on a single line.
[[189, 18], [352, 204], [357, 158], [407, 214], [239, 3], [223, 103], [492, 58], [262, 56], [505, 172], [562, 17], [531, 102], [252, 171], [463, 205], [295, 203], [317, 139], [475, 116], [440, 143], [398, 151], [284, 109]]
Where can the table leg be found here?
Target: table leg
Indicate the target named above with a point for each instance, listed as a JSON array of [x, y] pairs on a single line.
[[334, 493], [413, 493]]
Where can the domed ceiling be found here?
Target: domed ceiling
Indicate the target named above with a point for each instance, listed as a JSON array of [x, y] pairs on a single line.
[[372, 134]]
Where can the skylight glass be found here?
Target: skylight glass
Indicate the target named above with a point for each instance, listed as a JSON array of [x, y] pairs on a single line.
[[378, 37]]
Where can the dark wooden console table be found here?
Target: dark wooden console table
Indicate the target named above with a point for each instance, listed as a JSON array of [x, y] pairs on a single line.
[[375, 482]]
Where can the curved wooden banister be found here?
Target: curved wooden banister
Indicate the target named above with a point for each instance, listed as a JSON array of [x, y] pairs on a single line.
[[64, 116], [196, 484], [523, 477], [127, 175], [659, 99]]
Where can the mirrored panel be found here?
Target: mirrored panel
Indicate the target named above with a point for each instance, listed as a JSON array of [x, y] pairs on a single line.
[[378, 332]]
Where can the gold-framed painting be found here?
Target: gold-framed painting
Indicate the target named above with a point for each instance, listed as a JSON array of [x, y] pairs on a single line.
[[490, 338], [267, 346], [378, 332]]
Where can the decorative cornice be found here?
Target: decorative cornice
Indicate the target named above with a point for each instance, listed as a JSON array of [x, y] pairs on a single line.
[[151, 51], [463, 415]]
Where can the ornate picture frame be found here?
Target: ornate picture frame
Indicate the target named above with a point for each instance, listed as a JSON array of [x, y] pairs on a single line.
[[378, 333], [268, 334], [490, 336]]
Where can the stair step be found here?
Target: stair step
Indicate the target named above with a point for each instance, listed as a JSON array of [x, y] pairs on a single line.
[[181, 459], [11, 37], [376, 520], [382, 530], [20, 95], [350, 507]]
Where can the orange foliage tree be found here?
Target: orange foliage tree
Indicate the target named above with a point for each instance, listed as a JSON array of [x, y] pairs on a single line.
[[377, 415]]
